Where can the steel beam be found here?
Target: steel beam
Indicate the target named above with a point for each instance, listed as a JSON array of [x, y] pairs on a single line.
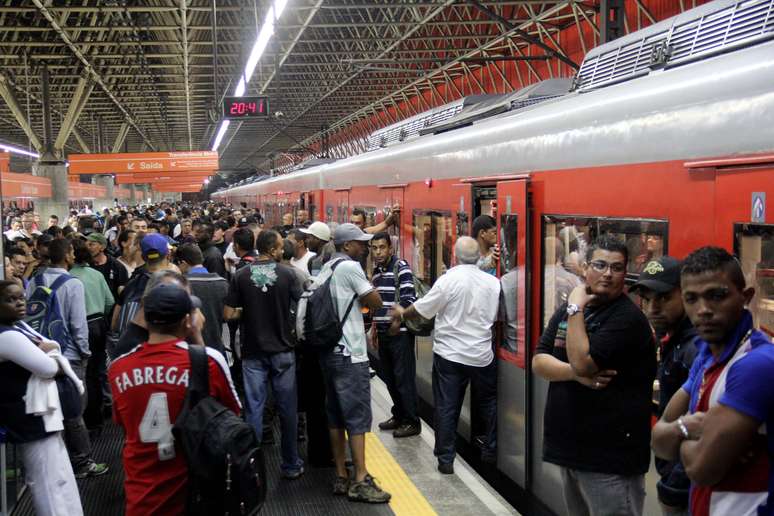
[[10, 99], [77, 103], [121, 137], [90, 68]]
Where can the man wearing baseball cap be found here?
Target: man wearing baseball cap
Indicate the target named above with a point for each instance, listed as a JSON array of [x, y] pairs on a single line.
[[149, 386], [348, 388], [114, 273], [659, 289], [318, 241]]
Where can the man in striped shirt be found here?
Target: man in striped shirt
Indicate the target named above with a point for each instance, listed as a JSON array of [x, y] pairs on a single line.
[[396, 349]]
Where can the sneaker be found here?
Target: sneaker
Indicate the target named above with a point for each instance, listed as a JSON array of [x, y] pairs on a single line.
[[407, 430], [92, 469], [446, 469], [390, 424], [340, 486], [367, 491], [293, 475]]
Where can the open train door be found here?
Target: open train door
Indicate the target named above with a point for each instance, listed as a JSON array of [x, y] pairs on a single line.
[[512, 216], [393, 195]]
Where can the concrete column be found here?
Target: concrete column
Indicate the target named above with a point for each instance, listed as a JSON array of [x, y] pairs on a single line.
[[132, 190], [145, 188], [58, 204], [109, 183]]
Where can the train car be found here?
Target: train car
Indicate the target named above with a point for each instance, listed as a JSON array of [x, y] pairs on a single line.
[[665, 137]]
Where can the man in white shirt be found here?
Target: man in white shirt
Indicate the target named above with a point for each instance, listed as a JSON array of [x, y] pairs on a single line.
[[301, 255], [28, 226], [465, 303]]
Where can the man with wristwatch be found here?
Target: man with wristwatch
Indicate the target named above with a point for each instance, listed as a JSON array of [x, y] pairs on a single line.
[[714, 422], [599, 354]]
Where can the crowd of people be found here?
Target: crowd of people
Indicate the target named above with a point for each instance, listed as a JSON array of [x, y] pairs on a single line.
[[107, 304]]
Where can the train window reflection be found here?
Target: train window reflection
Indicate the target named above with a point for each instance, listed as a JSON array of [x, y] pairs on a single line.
[[509, 280], [566, 239], [754, 245], [370, 214], [432, 231]]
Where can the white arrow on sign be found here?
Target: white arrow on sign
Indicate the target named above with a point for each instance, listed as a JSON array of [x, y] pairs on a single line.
[[130, 166]]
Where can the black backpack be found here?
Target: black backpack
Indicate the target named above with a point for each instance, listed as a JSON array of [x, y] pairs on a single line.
[[226, 466], [320, 315]]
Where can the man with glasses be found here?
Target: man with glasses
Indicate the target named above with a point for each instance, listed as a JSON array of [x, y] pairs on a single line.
[[599, 354]]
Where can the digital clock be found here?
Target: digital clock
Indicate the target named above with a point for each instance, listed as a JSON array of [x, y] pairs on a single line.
[[245, 107]]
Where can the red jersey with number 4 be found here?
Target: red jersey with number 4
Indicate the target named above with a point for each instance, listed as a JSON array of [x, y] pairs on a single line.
[[149, 385]]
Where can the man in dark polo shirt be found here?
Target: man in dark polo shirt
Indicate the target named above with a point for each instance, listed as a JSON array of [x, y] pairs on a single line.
[[260, 295], [599, 354], [659, 289], [115, 274]]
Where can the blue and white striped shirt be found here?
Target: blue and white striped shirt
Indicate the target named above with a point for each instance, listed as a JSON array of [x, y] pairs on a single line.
[[384, 281]]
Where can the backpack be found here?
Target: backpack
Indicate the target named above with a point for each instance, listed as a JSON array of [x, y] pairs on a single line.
[[226, 466], [417, 325], [43, 312], [317, 317], [132, 296]]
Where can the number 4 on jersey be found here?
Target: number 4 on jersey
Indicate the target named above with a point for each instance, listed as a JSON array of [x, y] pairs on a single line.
[[156, 426]]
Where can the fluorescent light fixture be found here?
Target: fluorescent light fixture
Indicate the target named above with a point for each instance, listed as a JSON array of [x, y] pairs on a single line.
[[221, 132], [261, 42], [240, 89], [16, 150]]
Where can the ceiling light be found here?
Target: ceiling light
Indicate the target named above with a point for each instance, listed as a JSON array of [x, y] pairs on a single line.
[[16, 150], [221, 132]]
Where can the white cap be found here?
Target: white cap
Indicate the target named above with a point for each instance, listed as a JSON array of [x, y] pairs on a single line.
[[318, 229]]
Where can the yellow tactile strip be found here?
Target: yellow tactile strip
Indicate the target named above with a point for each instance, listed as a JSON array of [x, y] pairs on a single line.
[[406, 498]]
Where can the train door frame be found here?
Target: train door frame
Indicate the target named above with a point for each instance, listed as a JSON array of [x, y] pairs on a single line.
[[394, 194], [507, 194]]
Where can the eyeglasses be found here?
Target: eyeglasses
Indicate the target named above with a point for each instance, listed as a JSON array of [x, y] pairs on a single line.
[[602, 266]]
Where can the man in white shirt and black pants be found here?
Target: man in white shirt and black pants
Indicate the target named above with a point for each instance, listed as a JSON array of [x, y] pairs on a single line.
[[465, 303]]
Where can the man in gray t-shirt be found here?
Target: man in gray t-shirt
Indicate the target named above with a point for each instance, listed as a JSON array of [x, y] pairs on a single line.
[[345, 367]]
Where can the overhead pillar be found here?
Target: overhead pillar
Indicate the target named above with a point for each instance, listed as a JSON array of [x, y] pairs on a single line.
[[109, 183], [145, 188], [132, 192], [51, 166], [58, 204]]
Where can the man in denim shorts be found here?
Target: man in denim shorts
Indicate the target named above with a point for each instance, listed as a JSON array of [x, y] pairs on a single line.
[[345, 367]]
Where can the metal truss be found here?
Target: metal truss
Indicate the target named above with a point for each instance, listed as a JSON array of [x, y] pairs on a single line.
[[144, 70]]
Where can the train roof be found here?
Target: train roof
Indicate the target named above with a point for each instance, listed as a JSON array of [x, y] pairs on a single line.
[[699, 95]]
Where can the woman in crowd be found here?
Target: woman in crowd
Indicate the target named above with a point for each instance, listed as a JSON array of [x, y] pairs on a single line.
[[22, 355]]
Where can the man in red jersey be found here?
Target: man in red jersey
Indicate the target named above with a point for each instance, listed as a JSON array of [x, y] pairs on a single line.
[[149, 386]]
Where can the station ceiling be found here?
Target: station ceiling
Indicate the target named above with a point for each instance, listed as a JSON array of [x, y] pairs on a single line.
[[137, 75]]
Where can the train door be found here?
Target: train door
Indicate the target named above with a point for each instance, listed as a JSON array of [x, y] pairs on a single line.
[[342, 206], [512, 216]]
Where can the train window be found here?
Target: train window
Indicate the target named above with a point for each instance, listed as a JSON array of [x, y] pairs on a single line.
[[328, 213], [370, 215], [432, 244], [754, 245], [509, 279], [566, 239]]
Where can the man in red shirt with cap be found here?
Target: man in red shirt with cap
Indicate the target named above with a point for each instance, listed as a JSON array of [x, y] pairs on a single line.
[[149, 385]]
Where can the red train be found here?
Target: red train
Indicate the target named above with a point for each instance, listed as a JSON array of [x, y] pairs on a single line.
[[665, 137]]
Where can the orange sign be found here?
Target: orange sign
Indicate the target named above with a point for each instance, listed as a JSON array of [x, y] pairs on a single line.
[[152, 177], [24, 185], [142, 162], [85, 191], [5, 162]]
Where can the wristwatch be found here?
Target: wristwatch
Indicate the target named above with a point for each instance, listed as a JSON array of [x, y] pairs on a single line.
[[572, 310]]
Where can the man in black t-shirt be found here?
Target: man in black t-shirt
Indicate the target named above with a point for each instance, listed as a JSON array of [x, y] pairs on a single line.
[[260, 294], [599, 354], [213, 257], [115, 274]]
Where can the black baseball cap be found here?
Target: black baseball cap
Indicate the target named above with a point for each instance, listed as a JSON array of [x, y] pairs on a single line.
[[661, 275], [168, 303], [246, 221]]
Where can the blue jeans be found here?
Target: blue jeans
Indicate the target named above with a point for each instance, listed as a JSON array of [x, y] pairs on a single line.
[[602, 494], [450, 379], [280, 368]]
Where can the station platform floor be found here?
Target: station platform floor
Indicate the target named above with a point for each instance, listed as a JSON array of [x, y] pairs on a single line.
[[404, 467]]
